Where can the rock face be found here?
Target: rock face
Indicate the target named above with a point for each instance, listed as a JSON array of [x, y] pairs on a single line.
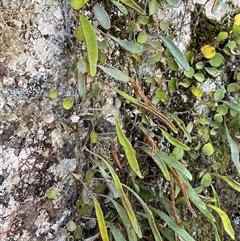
[[38, 140], [35, 154]]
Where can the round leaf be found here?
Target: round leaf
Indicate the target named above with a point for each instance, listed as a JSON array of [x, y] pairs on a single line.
[[71, 226], [172, 64], [222, 36], [218, 118], [206, 180], [219, 94], [197, 92], [222, 109], [199, 77], [153, 7], [67, 103], [142, 37], [208, 51], [189, 73], [199, 65], [79, 35], [77, 4], [53, 192], [207, 149], [189, 56], [94, 137], [217, 60], [233, 87], [164, 25], [53, 94]]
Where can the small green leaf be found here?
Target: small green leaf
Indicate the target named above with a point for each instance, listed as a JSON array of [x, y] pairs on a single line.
[[207, 149], [176, 53], [215, 6], [199, 65], [219, 94], [189, 56], [132, 47], [153, 7], [71, 226], [184, 83], [222, 36], [117, 234], [172, 64], [79, 35], [142, 19], [217, 60], [174, 141], [52, 193], [94, 137], [53, 94], [199, 77], [211, 71], [172, 85], [101, 222], [142, 37], [102, 16], [77, 4], [91, 42], [129, 151], [233, 105], [189, 73], [206, 180], [164, 25], [233, 87], [67, 103], [218, 118], [115, 73], [225, 220], [222, 109], [120, 6]]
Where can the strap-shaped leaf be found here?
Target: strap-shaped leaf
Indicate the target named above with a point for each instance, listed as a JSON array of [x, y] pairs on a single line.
[[91, 42], [225, 219], [234, 184], [150, 217], [101, 222], [115, 73], [135, 6], [172, 224], [176, 53], [129, 151]]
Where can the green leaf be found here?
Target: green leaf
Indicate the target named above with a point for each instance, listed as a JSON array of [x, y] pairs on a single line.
[[234, 150], [181, 124], [117, 234], [222, 36], [206, 180], [53, 94], [120, 6], [115, 73], [125, 201], [219, 94], [173, 225], [174, 141], [176, 53], [94, 137], [174, 3], [150, 217], [142, 37], [217, 60], [232, 183], [170, 161], [193, 196], [160, 163], [233, 87], [102, 16], [233, 105], [67, 103], [207, 149], [101, 222], [189, 73], [91, 42], [211, 71], [132, 47], [225, 220], [199, 77], [77, 4], [129, 151], [125, 219], [79, 35], [153, 7], [52, 193], [71, 226], [135, 6]]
